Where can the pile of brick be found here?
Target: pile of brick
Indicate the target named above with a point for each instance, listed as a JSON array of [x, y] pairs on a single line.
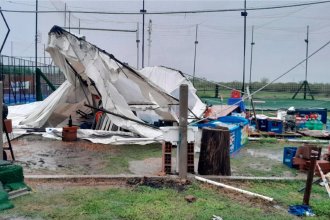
[[303, 155]]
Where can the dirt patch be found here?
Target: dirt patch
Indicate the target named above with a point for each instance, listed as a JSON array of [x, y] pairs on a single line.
[[39, 155], [177, 184], [149, 166], [62, 184]]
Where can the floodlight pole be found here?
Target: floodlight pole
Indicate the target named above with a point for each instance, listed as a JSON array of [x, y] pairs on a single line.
[[305, 83], [307, 42], [143, 11], [149, 40], [137, 46], [252, 44], [36, 47], [196, 42], [244, 13]]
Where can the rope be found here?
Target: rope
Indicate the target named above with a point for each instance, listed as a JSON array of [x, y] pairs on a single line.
[[271, 82]]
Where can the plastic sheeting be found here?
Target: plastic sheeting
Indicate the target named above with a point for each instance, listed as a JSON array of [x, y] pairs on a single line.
[[91, 71], [170, 80]]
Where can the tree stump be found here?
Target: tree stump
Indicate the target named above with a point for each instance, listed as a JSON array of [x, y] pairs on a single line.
[[214, 158]]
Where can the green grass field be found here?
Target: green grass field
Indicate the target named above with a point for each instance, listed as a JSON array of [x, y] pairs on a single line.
[[144, 202]]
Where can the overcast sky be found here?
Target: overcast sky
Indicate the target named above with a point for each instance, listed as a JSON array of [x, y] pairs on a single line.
[[278, 35]]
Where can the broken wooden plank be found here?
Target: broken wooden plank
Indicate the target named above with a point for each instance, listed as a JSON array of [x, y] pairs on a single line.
[[326, 184]]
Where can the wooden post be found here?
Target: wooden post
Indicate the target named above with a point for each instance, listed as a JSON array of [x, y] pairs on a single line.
[[183, 131], [1, 124], [310, 176]]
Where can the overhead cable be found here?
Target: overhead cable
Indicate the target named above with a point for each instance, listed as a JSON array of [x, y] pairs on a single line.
[[171, 12]]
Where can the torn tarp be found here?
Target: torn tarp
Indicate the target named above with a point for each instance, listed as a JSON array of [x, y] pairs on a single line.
[[134, 97]]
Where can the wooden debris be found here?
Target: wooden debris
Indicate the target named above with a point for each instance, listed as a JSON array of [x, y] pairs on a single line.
[[326, 184]]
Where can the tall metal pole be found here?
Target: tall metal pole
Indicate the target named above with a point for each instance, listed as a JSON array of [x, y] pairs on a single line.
[[143, 11], [36, 45], [11, 48], [137, 46], [69, 20], [44, 54], [79, 26], [252, 43], [244, 13], [196, 42], [307, 42], [64, 14], [149, 40]]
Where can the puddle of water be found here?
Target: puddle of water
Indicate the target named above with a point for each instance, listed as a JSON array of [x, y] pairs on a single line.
[[271, 154]]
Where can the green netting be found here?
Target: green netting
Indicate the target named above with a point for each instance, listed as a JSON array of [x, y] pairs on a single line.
[[11, 174], [268, 103]]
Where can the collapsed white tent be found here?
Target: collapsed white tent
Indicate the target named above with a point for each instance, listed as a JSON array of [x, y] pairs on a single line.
[[127, 95]]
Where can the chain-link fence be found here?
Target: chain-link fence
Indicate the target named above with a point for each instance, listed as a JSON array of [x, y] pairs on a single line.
[[19, 79]]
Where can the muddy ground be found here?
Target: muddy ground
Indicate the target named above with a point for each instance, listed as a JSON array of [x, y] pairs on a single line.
[[40, 155]]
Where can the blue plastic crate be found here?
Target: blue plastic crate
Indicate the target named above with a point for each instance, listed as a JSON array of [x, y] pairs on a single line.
[[288, 155], [275, 126], [263, 124]]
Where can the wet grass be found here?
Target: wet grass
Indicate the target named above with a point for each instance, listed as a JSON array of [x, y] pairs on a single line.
[[261, 163], [136, 203], [286, 193]]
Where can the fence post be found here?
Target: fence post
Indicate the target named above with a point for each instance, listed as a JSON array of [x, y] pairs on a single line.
[[183, 131]]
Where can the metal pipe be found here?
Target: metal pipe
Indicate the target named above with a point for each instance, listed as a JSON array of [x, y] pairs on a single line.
[[36, 48], [98, 29], [307, 43], [121, 116], [252, 44], [244, 50], [234, 188], [4, 41], [196, 42], [143, 11], [137, 45]]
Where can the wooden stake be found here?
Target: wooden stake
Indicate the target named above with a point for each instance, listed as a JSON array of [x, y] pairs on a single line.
[[310, 176]]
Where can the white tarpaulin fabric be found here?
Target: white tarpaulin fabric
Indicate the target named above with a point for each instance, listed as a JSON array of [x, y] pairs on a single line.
[[170, 80], [91, 71]]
